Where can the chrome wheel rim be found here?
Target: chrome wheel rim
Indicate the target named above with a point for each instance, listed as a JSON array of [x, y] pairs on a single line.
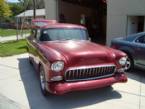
[[128, 64], [42, 80]]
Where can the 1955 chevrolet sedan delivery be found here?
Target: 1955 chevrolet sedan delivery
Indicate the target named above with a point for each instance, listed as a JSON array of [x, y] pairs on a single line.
[[67, 61]]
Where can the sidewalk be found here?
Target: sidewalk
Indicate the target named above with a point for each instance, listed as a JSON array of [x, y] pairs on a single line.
[[6, 103], [11, 38]]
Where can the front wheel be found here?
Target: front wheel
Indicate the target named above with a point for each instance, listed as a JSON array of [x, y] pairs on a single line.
[[129, 64], [43, 82]]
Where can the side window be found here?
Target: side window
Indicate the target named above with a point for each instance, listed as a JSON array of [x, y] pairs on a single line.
[[141, 39]]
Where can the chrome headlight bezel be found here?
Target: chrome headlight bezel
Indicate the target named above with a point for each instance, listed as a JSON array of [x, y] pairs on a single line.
[[122, 61], [57, 66]]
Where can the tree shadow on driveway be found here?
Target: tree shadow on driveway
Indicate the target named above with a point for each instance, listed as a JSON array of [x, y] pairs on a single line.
[[68, 101]]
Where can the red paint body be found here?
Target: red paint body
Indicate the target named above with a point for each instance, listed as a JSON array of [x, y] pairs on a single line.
[[74, 54], [61, 88]]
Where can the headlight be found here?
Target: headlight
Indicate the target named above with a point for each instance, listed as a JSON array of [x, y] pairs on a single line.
[[57, 66], [122, 61]]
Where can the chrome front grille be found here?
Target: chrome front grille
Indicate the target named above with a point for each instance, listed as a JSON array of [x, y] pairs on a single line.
[[88, 73]]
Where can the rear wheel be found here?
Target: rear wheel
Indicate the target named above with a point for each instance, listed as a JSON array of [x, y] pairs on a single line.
[[43, 82]]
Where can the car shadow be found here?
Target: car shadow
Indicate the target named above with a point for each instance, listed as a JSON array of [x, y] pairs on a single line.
[[67, 101], [137, 74]]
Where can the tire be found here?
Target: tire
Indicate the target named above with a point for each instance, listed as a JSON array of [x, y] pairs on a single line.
[[130, 63], [42, 81]]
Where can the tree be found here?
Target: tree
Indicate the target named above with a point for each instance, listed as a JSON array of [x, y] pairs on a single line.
[[26, 4], [29, 4], [16, 8], [5, 11]]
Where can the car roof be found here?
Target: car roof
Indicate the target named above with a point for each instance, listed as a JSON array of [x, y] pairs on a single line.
[[64, 25], [42, 24], [134, 36]]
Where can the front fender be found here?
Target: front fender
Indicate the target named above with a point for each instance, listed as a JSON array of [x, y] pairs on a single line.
[[129, 51]]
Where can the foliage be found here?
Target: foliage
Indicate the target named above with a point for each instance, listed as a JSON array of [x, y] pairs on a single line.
[[27, 4], [8, 11], [13, 48], [16, 8], [5, 11]]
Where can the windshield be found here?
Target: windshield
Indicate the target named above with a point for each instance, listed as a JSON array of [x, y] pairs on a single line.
[[64, 34]]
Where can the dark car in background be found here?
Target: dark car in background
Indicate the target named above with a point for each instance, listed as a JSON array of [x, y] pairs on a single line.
[[134, 47]]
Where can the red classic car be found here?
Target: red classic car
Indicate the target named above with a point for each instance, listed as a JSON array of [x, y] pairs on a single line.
[[67, 61]]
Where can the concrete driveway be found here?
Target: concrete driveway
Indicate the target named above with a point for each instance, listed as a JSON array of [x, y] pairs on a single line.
[[19, 89]]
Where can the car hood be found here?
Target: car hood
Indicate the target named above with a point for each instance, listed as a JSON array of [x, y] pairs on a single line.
[[82, 52]]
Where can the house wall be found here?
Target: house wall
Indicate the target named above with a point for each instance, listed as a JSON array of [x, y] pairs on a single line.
[[51, 7], [117, 12]]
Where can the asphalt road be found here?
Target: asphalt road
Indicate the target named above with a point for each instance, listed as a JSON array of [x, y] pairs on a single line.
[[19, 89]]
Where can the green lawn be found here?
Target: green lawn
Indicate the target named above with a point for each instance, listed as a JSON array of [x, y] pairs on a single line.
[[11, 32], [13, 48]]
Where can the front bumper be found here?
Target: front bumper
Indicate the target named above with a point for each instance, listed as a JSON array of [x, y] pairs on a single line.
[[65, 87]]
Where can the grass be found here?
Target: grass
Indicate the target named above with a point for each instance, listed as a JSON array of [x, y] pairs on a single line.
[[13, 48], [11, 32]]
